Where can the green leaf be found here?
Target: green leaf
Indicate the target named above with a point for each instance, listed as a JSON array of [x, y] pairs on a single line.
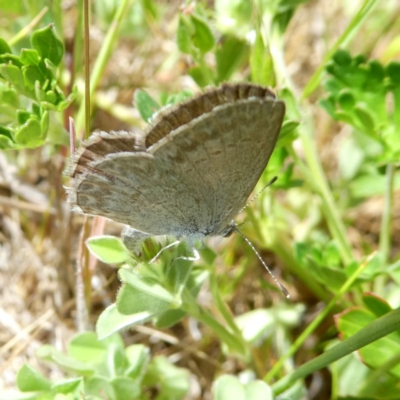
[[99, 387], [86, 347], [10, 96], [32, 74], [145, 104], [23, 116], [133, 301], [138, 356], [51, 68], [5, 141], [346, 100], [173, 381], [67, 363], [125, 388], [184, 34], [168, 318], [11, 59], [258, 390], [30, 57], [30, 380], [229, 54], [288, 133], [108, 249], [44, 124], [13, 74], [261, 63], [376, 305], [30, 134], [48, 45], [4, 47], [380, 328], [148, 286], [112, 321], [66, 385], [50, 97], [376, 353], [202, 38], [367, 121], [201, 75], [228, 387]]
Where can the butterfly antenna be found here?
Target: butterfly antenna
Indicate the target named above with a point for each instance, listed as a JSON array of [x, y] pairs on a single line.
[[268, 184], [280, 286]]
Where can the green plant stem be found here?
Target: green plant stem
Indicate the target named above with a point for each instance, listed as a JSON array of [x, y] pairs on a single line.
[[26, 29], [234, 344], [86, 12], [386, 226], [316, 322], [386, 223], [354, 25], [103, 58], [223, 308], [312, 170], [379, 328], [318, 179]]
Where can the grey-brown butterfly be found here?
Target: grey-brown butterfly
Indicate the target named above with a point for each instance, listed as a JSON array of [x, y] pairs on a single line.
[[189, 173]]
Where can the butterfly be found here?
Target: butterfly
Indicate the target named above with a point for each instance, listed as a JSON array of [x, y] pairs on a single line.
[[188, 174]]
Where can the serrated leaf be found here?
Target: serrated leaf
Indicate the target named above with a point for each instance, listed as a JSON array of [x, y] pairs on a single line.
[[47, 44], [346, 100], [366, 120]]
